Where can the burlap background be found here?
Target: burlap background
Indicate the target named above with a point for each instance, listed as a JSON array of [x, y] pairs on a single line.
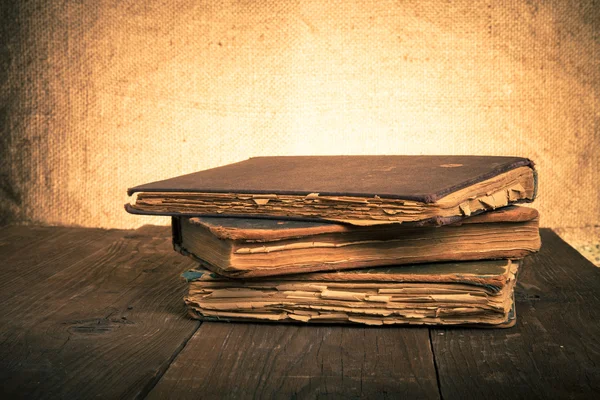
[[98, 96]]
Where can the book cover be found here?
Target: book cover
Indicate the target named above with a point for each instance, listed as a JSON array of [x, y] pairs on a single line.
[[361, 190]]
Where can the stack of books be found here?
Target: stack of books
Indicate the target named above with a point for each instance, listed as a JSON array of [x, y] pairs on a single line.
[[352, 239]]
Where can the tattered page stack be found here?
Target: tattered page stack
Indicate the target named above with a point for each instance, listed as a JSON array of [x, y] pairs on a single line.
[[471, 292], [356, 239]]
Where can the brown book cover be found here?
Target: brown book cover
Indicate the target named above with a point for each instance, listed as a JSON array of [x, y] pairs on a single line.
[[360, 190], [239, 247], [478, 293]]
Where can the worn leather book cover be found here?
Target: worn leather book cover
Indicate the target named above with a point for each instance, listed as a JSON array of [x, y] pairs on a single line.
[[477, 293], [360, 190], [245, 247]]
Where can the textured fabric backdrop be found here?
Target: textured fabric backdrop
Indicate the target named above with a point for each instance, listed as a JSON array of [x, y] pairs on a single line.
[[98, 96]]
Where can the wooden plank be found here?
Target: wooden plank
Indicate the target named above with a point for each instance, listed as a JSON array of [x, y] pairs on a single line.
[[552, 352], [244, 360], [91, 313], [31, 254], [15, 238]]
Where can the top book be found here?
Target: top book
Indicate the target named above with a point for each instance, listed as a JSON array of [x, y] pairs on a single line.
[[360, 190]]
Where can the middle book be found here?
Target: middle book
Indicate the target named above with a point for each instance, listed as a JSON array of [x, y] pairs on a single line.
[[244, 247]]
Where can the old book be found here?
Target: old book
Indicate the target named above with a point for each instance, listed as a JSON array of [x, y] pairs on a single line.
[[238, 247], [360, 190], [478, 293]]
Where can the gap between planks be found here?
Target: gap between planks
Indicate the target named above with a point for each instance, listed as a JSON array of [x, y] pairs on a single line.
[[89, 312], [245, 360]]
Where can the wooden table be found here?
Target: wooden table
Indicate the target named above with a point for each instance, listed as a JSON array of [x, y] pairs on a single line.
[[99, 313]]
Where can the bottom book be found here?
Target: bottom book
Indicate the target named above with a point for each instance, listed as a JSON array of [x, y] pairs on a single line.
[[478, 293]]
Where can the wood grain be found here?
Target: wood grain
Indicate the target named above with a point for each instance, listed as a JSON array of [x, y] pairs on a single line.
[[32, 254], [553, 352], [96, 313], [88, 312], [241, 361]]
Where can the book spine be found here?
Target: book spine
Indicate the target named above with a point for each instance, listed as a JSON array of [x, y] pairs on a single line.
[[176, 235], [535, 184]]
